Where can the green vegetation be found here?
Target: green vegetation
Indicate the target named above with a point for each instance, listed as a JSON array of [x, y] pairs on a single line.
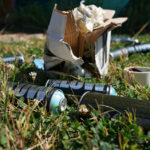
[[26, 126]]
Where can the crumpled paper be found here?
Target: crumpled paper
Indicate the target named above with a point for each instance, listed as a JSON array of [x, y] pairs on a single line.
[[89, 17]]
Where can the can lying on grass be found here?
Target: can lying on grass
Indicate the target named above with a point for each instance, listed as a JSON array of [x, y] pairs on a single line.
[[141, 108], [124, 39], [115, 54], [79, 88], [12, 59], [53, 98]]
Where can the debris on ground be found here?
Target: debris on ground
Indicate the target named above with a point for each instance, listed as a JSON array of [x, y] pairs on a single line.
[[53, 99], [139, 74], [75, 38], [130, 50]]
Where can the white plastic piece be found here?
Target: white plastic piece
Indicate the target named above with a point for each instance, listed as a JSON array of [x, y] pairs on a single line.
[[142, 77]]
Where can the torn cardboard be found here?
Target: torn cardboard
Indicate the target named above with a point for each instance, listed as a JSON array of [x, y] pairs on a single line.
[[67, 43]]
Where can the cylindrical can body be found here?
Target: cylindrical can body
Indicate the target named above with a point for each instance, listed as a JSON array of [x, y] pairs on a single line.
[[116, 104], [12, 59], [130, 50], [53, 98], [119, 52], [124, 39], [79, 88]]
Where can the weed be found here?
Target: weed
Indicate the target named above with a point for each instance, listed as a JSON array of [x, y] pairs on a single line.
[[28, 126]]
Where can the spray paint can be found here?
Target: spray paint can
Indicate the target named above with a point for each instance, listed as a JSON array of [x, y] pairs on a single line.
[[111, 103], [79, 88], [115, 54], [52, 97], [124, 39], [12, 59]]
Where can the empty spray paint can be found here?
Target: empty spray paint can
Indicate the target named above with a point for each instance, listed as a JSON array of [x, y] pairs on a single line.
[[79, 88], [11, 59], [115, 54], [124, 39], [52, 97]]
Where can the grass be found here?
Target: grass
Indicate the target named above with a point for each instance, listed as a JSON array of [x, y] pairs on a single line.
[[25, 126]]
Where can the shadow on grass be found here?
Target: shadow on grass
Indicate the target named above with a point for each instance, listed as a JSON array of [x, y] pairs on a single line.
[[22, 75]]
